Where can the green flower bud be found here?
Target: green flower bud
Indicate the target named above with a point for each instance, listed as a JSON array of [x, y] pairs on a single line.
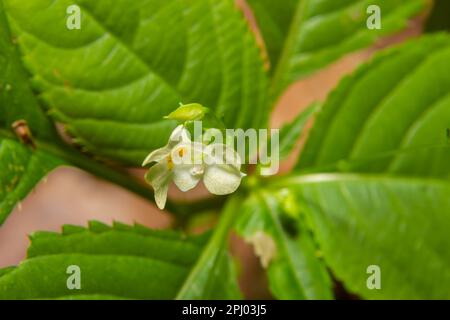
[[188, 112]]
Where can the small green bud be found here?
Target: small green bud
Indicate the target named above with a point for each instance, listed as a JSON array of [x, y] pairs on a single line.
[[188, 112], [289, 203]]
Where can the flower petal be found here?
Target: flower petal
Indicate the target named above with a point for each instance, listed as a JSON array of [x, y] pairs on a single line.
[[159, 177], [186, 177], [190, 153], [218, 153], [157, 155], [221, 179], [161, 196], [179, 134]]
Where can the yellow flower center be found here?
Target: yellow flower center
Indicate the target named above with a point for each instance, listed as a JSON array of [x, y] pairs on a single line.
[[169, 162]]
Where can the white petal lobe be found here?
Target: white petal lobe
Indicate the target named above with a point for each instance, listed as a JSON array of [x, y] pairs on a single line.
[[161, 196], [159, 177], [184, 179], [222, 179], [179, 134], [157, 155]]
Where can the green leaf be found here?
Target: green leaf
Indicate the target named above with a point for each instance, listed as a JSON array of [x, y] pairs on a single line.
[[303, 36], [17, 102], [389, 120], [122, 262], [113, 81], [391, 115], [294, 270], [213, 276], [290, 133], [20, 167], [20, 170], [439, 17], [16, 98], [274, 19], [398, 224]]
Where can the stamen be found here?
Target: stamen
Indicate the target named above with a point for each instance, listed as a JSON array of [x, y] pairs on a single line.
[[169, 162]]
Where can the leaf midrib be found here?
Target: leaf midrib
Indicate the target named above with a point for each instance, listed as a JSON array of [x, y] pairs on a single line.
[[213, 247], [299, 179], [287, 47], [263, 199]]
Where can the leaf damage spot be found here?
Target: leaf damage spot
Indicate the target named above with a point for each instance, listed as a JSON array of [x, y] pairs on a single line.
[[264, 246]]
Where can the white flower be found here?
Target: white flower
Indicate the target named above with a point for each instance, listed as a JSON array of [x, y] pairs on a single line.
[[187, 162], [222, 169]]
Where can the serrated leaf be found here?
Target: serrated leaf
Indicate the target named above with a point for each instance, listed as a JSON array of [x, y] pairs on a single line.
[[20, 170], [16, 98], [112, 82], [294, 271], [303, 36], [205, 279], [391, 115], [396, 223], [290, 133], [128, 243], [125, 262], [22, 166], [45, 277]]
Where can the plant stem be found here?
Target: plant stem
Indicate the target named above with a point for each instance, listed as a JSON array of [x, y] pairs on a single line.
[[213, 249]]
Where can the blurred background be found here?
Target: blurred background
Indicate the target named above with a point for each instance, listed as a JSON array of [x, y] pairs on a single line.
[[71, 196]]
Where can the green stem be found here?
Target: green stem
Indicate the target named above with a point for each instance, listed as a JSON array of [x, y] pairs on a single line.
[[217, 242]]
